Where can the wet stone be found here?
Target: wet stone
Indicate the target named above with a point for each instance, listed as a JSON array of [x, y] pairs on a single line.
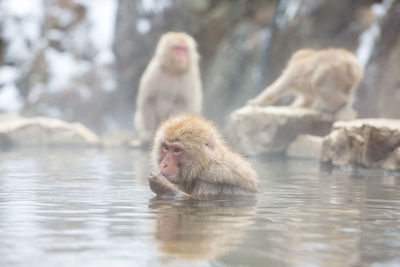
[[369, 143]]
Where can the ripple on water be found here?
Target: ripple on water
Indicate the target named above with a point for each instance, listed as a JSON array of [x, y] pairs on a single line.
[[94, 208]]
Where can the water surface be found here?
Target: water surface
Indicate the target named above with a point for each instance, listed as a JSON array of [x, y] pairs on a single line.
[[84, 207]]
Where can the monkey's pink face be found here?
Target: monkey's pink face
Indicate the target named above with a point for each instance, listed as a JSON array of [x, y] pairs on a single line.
[[180, 53], [171, 155]]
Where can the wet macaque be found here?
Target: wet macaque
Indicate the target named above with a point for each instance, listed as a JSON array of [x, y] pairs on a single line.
[[193, 161], [170, 85], [324, 80]]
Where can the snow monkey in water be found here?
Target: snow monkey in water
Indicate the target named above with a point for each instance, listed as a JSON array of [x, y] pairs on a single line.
[[170, 84], [324, 79], [193, 161]]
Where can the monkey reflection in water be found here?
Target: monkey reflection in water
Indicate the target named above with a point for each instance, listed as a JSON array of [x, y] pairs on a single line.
[[198, 229], [193, 161], [170, 85], [324, 79]]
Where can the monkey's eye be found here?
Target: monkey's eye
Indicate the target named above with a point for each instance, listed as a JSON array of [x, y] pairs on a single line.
[[177, 150], [165, 147]]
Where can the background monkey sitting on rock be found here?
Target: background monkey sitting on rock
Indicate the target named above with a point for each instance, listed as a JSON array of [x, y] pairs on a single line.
[[170, 84]]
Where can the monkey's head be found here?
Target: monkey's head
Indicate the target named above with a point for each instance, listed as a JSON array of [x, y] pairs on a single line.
[[177, 52], [183, 146]]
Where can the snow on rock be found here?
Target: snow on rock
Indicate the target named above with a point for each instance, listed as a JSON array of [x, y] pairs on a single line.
[[16, 130]]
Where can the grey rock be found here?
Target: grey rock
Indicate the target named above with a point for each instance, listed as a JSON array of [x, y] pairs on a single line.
[[269, 130], [118, 139], [305, 146], [16, 130], [369, 143]]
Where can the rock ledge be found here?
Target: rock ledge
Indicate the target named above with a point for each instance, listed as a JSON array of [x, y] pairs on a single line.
[[370, 143], [256, 130], [16, 130]]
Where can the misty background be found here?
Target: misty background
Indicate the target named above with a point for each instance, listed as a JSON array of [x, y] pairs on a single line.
[[81, 60]]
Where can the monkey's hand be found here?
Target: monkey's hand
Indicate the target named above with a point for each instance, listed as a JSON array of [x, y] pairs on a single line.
[[162, 187]]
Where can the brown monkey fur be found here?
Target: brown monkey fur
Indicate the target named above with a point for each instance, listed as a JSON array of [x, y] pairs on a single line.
[[324, 79], [193, 160], [170, 84]]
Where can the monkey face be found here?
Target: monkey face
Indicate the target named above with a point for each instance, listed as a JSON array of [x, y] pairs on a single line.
[[177, 52], [180, 53], [171, 155]]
